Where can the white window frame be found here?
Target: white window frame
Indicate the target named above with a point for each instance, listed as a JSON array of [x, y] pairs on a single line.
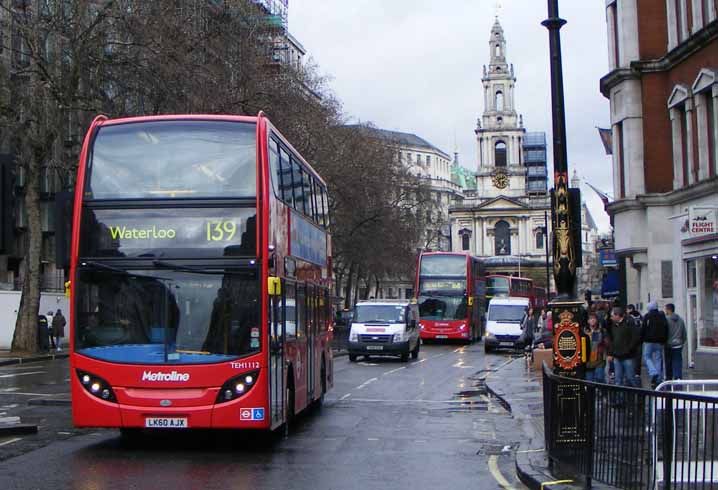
[[678, 105], [704, 87]]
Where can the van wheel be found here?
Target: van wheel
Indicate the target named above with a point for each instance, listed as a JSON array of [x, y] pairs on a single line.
[[404, 357], [352, 358], [415, 352]]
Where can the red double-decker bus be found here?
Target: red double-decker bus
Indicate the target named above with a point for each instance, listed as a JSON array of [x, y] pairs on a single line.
[[451, 290], [517, 287], [200, 269]]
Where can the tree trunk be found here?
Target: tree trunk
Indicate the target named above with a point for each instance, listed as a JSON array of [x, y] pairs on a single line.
[[378, 284], [356, 288], [348, 287], [25, 337]]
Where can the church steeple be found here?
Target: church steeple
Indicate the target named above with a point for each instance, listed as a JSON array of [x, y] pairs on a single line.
[[497, 44], [499, 82]]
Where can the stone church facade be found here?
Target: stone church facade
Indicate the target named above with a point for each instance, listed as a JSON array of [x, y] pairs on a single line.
[[504, 220]]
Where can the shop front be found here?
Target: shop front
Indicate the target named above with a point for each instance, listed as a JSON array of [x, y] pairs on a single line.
[[699, 250]]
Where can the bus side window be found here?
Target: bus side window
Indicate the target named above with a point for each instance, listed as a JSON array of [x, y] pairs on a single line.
[[286, 172], [290, 311], [307, 188], [275, 172], [325, 205], [315, 199], [301, 311], [297, 186]]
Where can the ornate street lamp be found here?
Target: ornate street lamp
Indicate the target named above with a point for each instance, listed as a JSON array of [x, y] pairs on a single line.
[[569, 344]]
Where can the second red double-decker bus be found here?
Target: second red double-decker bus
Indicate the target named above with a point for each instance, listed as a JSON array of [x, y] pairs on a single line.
[[451, 292], [200, 267], [512, 286]]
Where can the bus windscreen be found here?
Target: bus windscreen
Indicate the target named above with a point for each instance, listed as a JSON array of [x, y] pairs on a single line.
[[166, 317], [173, 159], [442, 308], [443, 265]]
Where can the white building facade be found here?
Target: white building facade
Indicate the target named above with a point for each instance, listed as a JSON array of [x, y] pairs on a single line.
[[663, 90]]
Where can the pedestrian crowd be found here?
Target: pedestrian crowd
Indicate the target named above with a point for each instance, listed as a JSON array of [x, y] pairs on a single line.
[[619, 341]]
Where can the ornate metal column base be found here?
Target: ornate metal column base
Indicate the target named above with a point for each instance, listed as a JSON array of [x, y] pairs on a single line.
[[569, 343]]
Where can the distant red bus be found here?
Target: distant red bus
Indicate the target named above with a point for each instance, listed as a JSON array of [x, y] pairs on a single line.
[[540, 298], [518, 287], [201, 276], [451, 290]]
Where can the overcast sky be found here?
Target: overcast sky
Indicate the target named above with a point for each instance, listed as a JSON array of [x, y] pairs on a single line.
[[416, 66]]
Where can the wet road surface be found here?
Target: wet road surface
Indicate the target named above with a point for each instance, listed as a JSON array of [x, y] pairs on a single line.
[[427, 424]]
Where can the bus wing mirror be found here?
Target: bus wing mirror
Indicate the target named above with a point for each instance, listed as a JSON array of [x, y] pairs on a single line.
[[274, 286]]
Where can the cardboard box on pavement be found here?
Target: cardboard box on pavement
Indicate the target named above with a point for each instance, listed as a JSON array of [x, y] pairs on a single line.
[[542, 355]]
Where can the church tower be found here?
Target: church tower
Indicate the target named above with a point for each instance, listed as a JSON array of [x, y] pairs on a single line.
[[500, 130]]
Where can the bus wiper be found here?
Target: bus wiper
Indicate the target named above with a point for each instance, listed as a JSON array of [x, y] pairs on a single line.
[[100, 265], [184, 268]]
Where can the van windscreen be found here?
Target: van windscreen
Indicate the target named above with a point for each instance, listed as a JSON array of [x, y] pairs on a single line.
[[507, 313], [379, 314]]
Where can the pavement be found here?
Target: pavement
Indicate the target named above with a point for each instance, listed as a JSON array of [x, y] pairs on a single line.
[[520, 390]]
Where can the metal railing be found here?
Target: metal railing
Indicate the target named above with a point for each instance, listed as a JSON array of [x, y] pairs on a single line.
[[632, 438]]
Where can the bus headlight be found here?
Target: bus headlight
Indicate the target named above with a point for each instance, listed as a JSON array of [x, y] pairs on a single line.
[[236, 387], [96, 386], [462, 327]]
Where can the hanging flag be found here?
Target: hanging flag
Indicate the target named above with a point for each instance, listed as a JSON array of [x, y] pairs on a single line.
[[607, 139], [604, 197]]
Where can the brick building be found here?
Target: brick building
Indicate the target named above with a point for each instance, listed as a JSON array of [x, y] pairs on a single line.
[[663, 89]]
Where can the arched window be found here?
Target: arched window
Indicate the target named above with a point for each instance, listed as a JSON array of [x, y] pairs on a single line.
[[499, 100], [500, 154], [465, 241], [502, 238], [539, 240], [498, 50]]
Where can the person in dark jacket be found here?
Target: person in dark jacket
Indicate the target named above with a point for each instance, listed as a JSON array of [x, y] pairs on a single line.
[[43, 335], [58, 328], [625, 337], [654, 334], [677, 338]]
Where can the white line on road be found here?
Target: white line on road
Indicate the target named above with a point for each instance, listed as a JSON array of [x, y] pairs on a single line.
[[345, 396], [394, 370], [10, 441], [460, 349], [496, 473], [21, 374], [365, 383], [423, 360], [28, 394]]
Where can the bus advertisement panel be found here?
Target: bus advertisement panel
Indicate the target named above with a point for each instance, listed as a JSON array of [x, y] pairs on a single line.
[[185, 312], [451, 293]]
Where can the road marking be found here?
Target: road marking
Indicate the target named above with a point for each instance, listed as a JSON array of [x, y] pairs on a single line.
[[394, 370], [531, 451], [21, 374], [496, 473], [372, 439], [460, 349], [378, 400], [14, 405], [28, 394], [345, 396], [366, 383], [10, 441], [423, 360], [547, 483]]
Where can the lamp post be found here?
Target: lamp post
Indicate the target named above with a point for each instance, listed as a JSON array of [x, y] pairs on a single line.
[[569, 343]]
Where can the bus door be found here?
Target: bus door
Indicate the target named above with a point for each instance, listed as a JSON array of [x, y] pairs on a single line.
[[277, 316], [311, 336]]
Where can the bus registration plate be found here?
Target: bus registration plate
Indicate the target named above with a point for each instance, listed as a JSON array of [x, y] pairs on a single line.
[[442, 336], [166, 423]]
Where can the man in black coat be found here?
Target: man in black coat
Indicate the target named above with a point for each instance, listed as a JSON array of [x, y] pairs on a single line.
[[654, 334]]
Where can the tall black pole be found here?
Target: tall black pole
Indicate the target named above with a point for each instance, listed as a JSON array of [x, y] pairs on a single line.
[[564, 254], [546, 240]]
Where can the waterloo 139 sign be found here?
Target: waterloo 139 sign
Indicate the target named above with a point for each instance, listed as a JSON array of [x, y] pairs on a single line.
[[702, 221]]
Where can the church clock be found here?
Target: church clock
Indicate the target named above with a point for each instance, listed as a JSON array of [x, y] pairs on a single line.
[[500, 180]]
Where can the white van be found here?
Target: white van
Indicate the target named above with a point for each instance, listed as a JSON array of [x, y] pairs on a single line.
[[385, 327], [503, 326]]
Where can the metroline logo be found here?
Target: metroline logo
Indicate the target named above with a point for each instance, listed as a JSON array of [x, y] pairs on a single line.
[[159, 376]]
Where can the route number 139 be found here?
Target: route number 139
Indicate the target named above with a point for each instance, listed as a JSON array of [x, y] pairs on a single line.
[[221, 231]]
